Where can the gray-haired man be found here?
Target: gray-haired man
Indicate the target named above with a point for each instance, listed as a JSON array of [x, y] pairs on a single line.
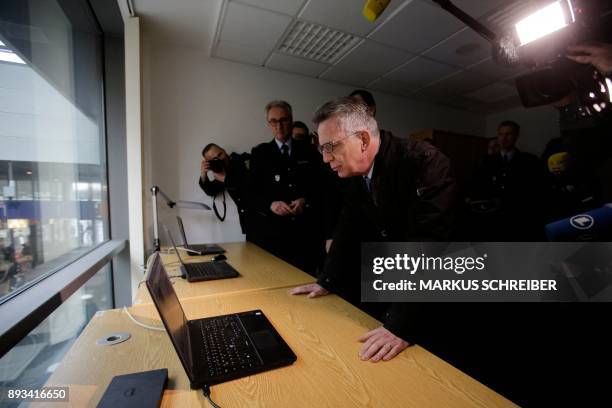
[[399, 190], [284, 173]]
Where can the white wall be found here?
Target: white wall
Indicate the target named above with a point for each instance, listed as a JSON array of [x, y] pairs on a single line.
[[190, 100], [133, 130], [538, 126]]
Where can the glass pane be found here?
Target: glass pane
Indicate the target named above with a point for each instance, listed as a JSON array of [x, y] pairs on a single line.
[[30, 363], [53, 187]]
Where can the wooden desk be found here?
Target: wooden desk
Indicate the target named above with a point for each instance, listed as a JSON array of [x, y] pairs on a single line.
[[258, 269], [322, 332]]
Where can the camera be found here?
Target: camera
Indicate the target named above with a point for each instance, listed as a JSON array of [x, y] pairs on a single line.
[[541, 41], [217, 165]]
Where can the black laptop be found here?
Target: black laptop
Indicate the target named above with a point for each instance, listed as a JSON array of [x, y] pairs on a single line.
[[216, 349], [203, 271], [199, 249]]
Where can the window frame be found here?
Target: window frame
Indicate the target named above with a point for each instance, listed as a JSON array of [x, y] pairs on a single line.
[[24, 312]]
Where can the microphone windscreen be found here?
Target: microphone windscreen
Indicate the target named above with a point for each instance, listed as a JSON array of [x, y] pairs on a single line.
[[374, 8], [557, 163], [505, 51]]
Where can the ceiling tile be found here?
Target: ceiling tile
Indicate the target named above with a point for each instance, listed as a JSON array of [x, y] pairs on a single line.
[[495, 92], [241, 53], [246, 25], [421, 71], [296, 65], [417, 27], [374, 58], [453, 86], [344, 15], [290, 7], [482, 107], [475, 8], [461, 49], [348, 76], [491, 68], [393, 87]]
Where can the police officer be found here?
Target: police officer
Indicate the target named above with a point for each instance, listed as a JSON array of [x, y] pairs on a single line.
[[284, 177]]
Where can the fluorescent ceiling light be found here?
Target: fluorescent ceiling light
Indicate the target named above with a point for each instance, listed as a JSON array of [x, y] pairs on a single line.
[[543, 22], [10, 56]]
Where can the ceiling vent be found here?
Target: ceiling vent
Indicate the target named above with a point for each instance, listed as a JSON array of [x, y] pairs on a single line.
[[316, 43]]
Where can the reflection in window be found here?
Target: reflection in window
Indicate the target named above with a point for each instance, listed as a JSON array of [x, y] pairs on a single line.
[[53, 207]]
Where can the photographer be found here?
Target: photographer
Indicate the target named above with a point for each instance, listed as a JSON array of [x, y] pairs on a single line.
[[229, 173]]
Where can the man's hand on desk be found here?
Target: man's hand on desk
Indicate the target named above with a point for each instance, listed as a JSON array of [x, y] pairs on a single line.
[[312, 289], [379, 344]]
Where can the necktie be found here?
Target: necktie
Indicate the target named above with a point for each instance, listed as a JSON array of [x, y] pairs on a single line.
[[368, 183], [285, 150]]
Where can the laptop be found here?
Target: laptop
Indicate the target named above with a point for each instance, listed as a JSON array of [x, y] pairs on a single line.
[[203, 271], [221, 348], [200, 249]]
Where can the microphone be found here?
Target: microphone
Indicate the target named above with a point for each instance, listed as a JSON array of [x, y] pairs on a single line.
[[506, 51], [374, 8], [557, 163], [594, 225]]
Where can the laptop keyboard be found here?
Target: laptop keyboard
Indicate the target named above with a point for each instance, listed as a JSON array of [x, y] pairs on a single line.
[[210, 269], [226, 346]]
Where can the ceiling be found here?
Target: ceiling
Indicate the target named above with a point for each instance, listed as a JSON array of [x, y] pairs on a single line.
[[414, 49]]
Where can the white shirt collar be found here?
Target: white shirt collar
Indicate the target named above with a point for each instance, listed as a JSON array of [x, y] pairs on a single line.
[[280, 144]]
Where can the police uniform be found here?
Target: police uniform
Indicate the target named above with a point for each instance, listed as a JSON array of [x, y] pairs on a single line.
[[286, 176]]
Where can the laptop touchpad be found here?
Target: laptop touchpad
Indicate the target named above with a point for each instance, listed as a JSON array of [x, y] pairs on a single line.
[[263, 339]]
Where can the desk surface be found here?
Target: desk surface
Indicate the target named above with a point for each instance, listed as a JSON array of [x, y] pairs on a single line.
[[322, 332], [258, 270]]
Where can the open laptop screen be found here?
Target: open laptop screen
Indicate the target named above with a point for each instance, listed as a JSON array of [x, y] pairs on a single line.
[[170, 311], [182, 230]]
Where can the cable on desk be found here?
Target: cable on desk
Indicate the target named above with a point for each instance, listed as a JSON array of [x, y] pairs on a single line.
[[146, 326], [206, 392]]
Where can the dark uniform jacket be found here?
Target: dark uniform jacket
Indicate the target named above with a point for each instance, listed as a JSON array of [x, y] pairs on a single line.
[[276, 178], [236, 179], [517, 186], [412, 199]]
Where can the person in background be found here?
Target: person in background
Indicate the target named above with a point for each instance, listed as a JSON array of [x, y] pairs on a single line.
[[365, 97], [492, 146], [513, 179], [284, 193], [300, 131], [229, 173]]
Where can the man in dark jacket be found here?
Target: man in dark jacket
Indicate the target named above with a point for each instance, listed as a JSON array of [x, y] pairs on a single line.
[[283, 193], [229, 173], [514, 180], [397, 190]]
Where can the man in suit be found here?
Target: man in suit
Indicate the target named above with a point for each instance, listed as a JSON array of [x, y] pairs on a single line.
[[397, 190], [283, 198], [514, 179]]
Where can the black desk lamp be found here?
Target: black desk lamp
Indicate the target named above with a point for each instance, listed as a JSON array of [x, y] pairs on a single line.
[[194, 205]]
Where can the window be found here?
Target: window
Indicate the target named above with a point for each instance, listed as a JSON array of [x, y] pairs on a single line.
[[53, 183], [31, 362]]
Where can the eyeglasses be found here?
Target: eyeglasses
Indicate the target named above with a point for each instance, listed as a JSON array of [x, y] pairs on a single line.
[[329, 146], [276, 122]]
